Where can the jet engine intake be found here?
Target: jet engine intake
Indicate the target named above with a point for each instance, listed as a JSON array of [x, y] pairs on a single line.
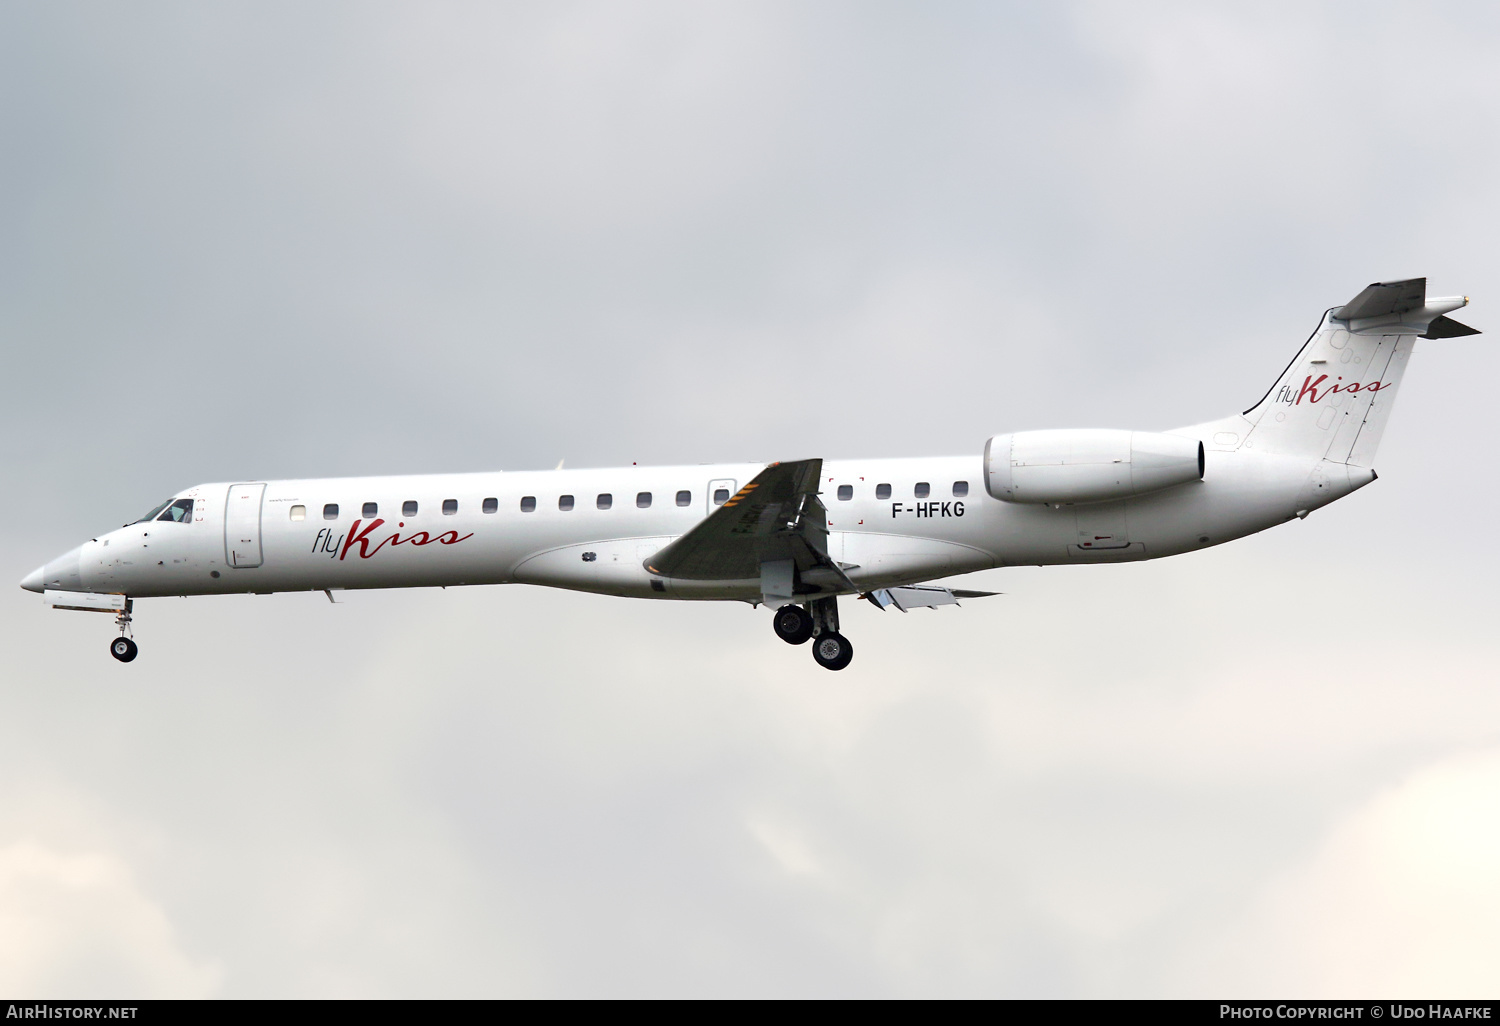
[[1087, 465]]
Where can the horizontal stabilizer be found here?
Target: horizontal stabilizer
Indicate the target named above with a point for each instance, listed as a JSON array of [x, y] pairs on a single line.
[[1386, 297], [1402, 308], [1447, 327], [918, 596]]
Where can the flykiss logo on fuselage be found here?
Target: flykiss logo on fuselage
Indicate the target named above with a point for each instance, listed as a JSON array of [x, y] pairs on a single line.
[[1314, 391], [338, 546]]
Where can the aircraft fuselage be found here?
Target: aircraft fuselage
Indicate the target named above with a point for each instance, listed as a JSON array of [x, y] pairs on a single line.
[[936, 521]]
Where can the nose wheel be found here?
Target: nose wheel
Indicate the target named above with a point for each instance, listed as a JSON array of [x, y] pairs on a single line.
[[123, 648]]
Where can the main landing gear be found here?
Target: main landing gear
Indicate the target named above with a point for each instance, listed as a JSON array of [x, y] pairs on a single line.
[[818, 620], [123, 648], [794, 625]]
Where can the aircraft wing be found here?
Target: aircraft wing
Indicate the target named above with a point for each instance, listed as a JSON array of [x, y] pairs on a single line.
[[776, 518]]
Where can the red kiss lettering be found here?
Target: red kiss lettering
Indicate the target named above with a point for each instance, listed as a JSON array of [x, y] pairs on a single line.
[[1310, 387], [420, 538], [363, 538]]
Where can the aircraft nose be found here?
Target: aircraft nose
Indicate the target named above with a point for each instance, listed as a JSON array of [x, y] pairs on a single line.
[[61, 574], [33, 581]]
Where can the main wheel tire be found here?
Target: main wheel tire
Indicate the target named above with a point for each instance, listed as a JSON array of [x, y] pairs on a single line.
[[123, 649], [794, 625], [832, 651]]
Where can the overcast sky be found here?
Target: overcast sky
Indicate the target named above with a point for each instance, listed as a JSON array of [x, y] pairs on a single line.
[[249, 241]]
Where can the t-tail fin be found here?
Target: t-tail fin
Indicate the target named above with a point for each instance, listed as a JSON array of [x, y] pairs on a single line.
[[1334, 398]]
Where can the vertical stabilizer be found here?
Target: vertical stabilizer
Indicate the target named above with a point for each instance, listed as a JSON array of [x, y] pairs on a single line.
[[1335, 397]]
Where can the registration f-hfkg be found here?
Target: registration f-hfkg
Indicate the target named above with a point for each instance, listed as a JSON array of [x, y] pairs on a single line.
[[797, 535]]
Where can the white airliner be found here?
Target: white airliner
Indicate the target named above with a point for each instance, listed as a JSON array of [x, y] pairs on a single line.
[[792, 536]]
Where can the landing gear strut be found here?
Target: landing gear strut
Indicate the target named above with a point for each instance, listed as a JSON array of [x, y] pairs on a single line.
[[123, 648]]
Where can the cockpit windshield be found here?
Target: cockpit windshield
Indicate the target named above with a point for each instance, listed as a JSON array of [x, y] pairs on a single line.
[[180, 511], [154, 511], [175, 510]]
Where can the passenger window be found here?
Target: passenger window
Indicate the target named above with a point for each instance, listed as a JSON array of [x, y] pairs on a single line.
[[528, 504], [846, 492], [409, 508], [181, 512], [684, 498], [370, 509], [450, 507], [643, 500], [490, 505], [923, 489], [565, 502], [721, 496], [331, 511], [299, 512], [882, 491], [960, 489], [605, 500]]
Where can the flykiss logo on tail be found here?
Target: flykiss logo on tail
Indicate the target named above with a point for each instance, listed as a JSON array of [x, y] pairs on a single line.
[[1310, 390], [362, 541]]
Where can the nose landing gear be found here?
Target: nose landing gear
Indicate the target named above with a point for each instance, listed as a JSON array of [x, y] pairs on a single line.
[[819, 620], [123, 648]]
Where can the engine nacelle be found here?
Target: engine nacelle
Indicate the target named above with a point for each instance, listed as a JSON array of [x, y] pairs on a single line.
[[1087, 465]]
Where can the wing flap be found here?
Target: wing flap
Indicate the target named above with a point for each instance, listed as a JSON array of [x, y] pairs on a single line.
[[921, 596]]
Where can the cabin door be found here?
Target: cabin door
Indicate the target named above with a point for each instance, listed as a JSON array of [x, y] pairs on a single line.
[[242, 525]]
